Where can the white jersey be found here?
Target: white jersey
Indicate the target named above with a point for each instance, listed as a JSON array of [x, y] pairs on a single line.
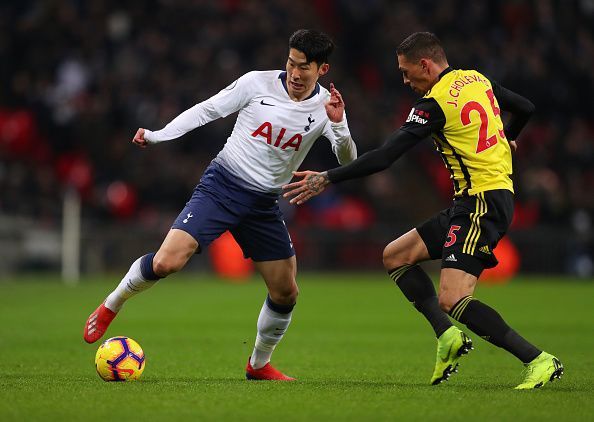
[[272, 134]]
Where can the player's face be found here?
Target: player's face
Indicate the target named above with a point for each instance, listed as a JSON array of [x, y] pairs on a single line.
[[301, 75], [415, 74]]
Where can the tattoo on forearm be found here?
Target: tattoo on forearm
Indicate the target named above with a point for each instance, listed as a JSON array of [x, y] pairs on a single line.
[[316, 182]]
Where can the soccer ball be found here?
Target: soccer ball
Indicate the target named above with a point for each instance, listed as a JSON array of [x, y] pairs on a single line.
[[119, 359]]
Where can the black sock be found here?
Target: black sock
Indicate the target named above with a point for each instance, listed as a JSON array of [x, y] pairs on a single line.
[[418, 289], [487, 323]]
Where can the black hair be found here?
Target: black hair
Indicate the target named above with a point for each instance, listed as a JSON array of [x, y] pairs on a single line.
[[422, 45], [316, 45]]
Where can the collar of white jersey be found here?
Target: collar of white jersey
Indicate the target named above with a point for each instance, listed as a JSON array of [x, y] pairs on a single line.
[[283, 77]]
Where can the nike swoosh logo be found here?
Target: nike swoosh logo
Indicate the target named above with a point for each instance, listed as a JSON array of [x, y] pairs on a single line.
[[266, 104], [447, 355]]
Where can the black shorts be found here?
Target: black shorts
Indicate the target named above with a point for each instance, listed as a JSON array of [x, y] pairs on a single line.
[[465, 235]]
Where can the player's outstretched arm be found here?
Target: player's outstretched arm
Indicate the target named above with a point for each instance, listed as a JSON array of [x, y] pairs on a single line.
[[311, 184], [194, 117], [227, 101], [371, 162], [376, 160]]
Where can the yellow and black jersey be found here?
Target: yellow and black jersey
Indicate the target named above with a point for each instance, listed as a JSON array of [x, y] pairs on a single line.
[[462, 113]]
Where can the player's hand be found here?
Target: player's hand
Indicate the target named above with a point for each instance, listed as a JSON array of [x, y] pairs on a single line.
[[513, 146], [335, 106], [139, 138], [312, 184]]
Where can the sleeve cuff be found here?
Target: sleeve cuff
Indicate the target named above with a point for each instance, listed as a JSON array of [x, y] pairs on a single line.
[[342, 123], [341, 129], [149, 136]]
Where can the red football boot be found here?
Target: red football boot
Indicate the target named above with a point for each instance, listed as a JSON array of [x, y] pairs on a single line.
[[267, 372], [97, 323]]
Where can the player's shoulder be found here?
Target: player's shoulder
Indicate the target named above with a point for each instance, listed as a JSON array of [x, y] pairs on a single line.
[[324, 92], [463, 77], [261, 81], [425, 110], [454, 83], [473, 74], [263, 75], [427, 102], [319, 97]]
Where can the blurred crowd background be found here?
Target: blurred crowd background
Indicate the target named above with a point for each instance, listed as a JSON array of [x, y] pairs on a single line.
[[79, 77]]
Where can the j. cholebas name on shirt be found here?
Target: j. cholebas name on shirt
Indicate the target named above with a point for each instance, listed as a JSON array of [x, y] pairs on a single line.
[[418, 116], [282, 141]]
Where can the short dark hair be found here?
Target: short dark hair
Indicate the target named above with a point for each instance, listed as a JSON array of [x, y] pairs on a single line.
[[422, 45], [316, 45]]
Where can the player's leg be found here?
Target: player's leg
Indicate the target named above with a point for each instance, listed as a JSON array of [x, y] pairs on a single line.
[[463, 261], [263, 237], [400, 258], [455, 297], [201, 221], [172, 256], [143, 274], [275, 316]]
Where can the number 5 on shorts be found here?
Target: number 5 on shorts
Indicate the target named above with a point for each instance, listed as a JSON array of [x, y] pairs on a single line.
[[452, 236]]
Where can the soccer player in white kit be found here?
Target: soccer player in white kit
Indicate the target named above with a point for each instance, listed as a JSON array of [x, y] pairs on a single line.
[[281, 115]]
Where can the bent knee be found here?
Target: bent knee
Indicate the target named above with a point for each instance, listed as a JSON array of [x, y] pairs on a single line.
[[407, 249], [285, 295], [446, 302], [393, 257], [163, 266]]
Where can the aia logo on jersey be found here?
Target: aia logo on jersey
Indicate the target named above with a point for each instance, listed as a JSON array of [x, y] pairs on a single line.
[[418, 116], [265, 131]]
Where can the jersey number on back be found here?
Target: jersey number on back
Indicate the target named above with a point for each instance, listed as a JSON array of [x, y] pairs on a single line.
[[483, 142]]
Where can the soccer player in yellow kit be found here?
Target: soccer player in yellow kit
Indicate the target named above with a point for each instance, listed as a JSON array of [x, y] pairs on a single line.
[[461, 111]]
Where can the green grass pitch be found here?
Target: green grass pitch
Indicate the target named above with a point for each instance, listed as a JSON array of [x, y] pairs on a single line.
[[359, 350]]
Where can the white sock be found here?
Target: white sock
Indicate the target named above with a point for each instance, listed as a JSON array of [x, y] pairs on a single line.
[[131, 284], [271, 328]]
